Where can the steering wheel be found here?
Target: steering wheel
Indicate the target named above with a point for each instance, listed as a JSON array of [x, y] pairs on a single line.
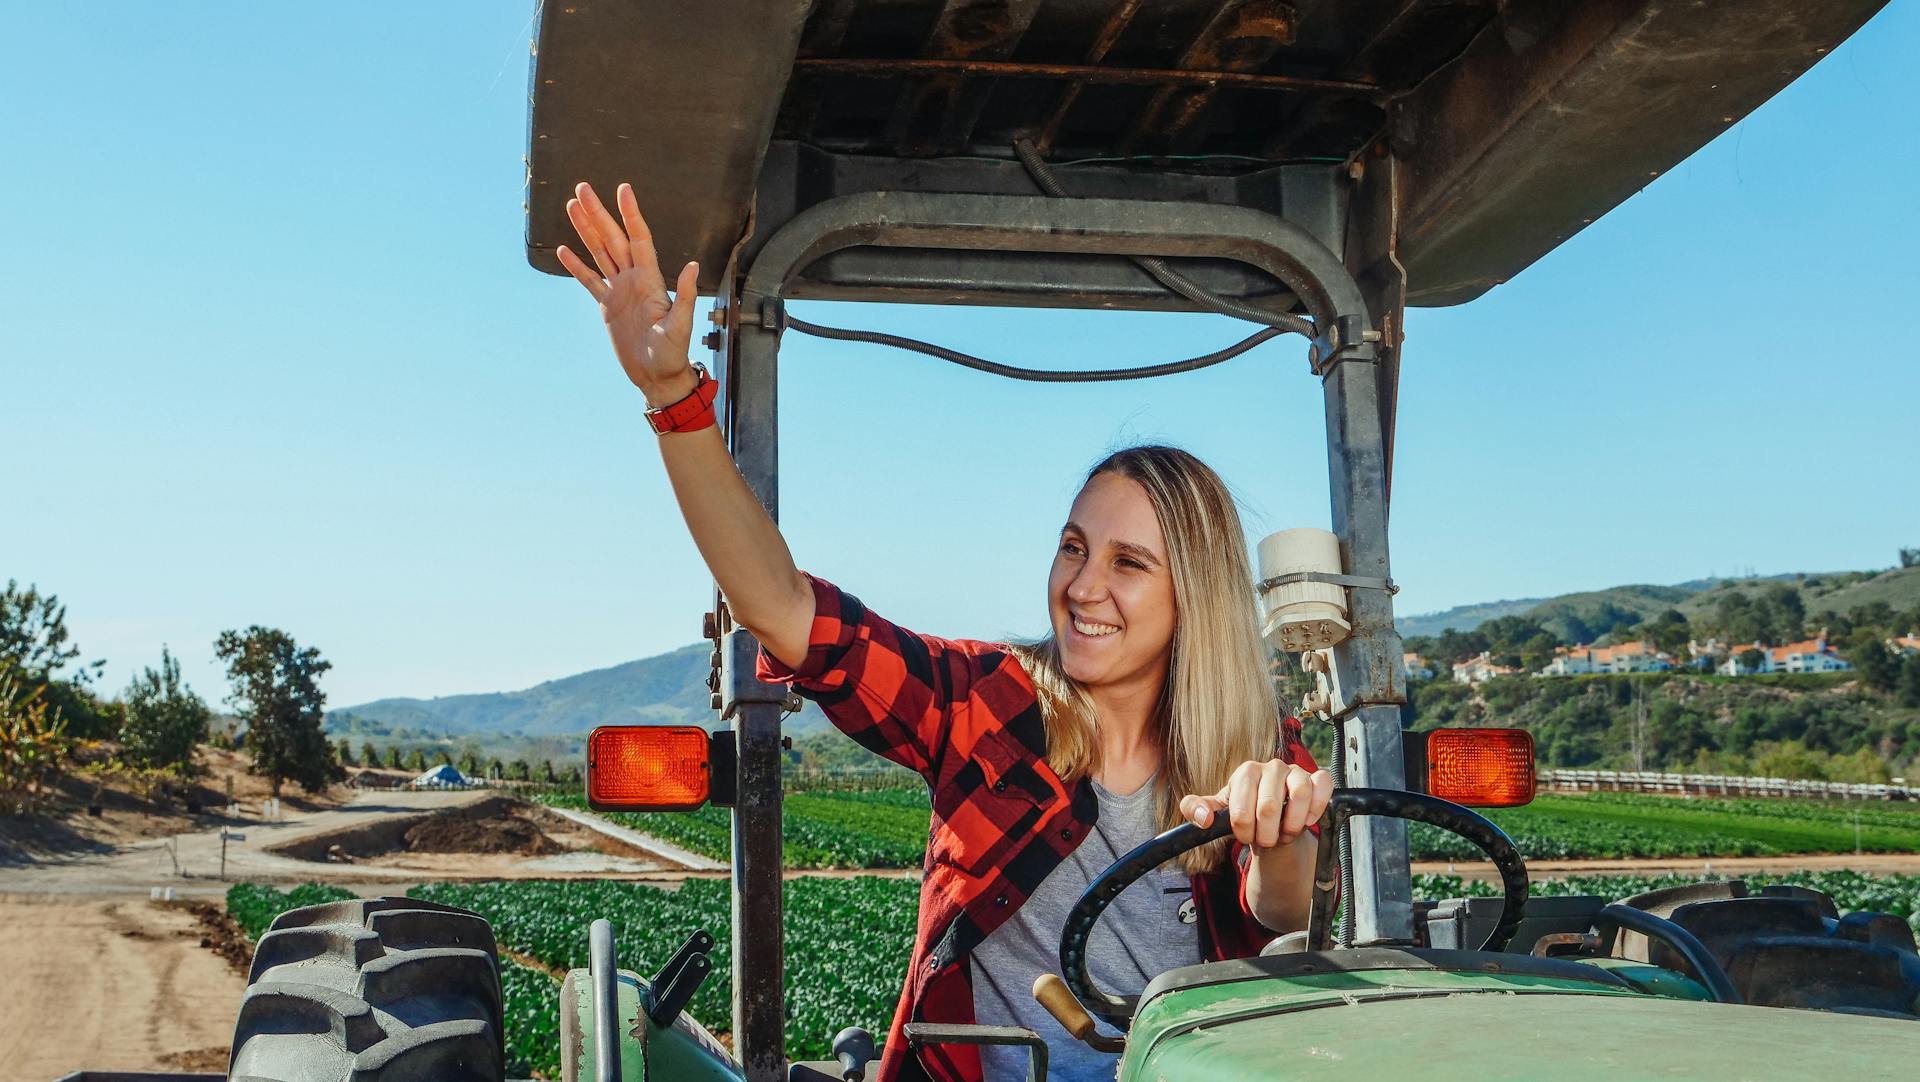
[[1143, 858]]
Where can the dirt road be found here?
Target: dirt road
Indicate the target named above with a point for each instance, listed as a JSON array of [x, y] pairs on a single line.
[[190, 863], [108, 984]]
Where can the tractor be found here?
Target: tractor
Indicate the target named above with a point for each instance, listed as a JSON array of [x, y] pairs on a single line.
[[1312, 167]]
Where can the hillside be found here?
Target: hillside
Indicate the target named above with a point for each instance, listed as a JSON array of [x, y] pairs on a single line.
[[671, 688], [1827, 591], [666, 689]]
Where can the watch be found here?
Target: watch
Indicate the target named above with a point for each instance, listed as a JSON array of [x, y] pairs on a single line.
[[692, 413]]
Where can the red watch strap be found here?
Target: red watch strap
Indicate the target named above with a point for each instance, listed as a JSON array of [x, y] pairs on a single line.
[[692, 413]]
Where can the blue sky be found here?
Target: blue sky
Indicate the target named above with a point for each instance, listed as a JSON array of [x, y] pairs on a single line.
[[270, 353]]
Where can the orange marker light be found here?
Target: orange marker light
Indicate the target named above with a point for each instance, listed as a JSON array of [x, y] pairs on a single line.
[[1486, 768], [647, 768]]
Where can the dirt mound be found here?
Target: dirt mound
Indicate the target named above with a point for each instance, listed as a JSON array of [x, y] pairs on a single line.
[[461, 832]]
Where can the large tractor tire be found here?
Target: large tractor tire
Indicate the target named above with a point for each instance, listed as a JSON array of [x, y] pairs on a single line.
[[381, 990]]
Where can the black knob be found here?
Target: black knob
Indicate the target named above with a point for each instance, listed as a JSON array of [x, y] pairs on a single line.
[[854, 1049]]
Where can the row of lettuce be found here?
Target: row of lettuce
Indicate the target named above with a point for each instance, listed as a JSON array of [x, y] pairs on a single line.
[[887, 828], [848, 940]]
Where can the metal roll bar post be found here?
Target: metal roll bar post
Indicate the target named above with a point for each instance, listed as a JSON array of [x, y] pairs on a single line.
[[1357, 461]]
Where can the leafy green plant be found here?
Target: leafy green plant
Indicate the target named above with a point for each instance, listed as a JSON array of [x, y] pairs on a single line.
[[33, 743]]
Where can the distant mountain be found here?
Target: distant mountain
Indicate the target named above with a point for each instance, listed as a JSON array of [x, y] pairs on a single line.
[[669, 689], [672, 688]]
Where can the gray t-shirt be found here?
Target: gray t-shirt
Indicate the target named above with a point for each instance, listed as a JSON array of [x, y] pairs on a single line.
[[1150, 928]]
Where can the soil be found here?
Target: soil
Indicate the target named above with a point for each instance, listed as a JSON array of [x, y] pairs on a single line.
[[461, 832], [109, 984], [68, 827]]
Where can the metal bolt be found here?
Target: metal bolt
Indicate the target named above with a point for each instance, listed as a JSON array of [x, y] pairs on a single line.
[[717, 315], [716, 700], [711, 340], [709, 626]]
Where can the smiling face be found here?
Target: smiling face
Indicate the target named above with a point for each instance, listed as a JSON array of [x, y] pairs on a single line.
[[1110, 593]]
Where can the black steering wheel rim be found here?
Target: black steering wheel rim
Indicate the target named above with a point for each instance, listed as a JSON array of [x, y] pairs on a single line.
[[1150, 854]]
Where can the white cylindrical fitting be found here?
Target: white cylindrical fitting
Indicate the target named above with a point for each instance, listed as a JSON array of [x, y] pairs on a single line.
[[1302, 616]]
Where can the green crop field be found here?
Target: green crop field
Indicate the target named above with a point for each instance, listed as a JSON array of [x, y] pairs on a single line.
[[884, 828], [887, 828], [1611, 825], [848, 940]]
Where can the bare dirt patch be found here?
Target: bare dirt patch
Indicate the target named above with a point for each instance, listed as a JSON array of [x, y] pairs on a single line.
[[481, 830], [108, 984]]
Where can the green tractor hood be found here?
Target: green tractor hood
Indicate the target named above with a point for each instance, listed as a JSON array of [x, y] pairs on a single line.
[[1481, 1024]]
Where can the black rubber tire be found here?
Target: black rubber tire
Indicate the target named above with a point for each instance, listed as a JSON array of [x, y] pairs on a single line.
[[380, 990]]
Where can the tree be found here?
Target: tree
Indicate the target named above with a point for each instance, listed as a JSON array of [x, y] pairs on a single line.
[[443, 758], [276, 689], [343, 751], [547, 775], [416, 760], [469, 764], [369, 755], [1910, 557], [1910, 681], [1879, 667], [35, 645], [518, 770], [33, 634], [165, 721], [496, 769], [1750, 659], [1788, 612], [393, 757]]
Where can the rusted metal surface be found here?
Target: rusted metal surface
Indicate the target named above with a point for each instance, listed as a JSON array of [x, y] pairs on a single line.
[[1110, 31], [1241, 38], [1510, 124], [940, 112], [1083, 73]]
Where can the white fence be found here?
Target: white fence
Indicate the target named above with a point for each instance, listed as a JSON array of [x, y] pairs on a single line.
[[1590, 781]]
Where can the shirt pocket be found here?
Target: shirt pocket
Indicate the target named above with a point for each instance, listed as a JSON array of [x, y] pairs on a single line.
[[992, 807]]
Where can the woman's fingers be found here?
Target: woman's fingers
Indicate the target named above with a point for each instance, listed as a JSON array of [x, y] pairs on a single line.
[[1299, 785], [1201, 809], [686, 293], [589, 231], [583, 274], [614, 237], [639, 236], [1243, 801], [1271, 809]]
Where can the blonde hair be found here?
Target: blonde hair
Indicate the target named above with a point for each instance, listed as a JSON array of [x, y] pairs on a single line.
[[1218, 708]]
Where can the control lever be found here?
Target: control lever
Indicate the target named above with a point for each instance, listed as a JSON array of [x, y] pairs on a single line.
[[853, 1047], [1053, 994]]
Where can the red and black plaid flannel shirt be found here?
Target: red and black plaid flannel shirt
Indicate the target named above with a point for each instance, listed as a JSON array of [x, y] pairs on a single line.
[[964, 715]]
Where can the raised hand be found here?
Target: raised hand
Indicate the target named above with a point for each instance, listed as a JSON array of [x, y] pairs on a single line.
[[651, 331]]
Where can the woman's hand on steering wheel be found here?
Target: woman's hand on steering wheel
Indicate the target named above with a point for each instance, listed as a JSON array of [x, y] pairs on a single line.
[[1269, 804], [651, 331]]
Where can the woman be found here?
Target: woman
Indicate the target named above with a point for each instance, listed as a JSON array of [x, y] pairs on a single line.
[[1148, 704]]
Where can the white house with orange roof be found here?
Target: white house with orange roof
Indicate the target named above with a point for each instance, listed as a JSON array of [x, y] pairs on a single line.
[[1637, 656], [1809, 655], [1414, 667], [1479, 670], [1902, 645]]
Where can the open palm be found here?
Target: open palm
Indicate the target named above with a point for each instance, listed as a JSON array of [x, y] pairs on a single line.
[[650, 330]]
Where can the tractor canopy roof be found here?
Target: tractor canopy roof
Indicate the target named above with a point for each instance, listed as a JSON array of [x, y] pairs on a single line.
[[1513, 123]]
